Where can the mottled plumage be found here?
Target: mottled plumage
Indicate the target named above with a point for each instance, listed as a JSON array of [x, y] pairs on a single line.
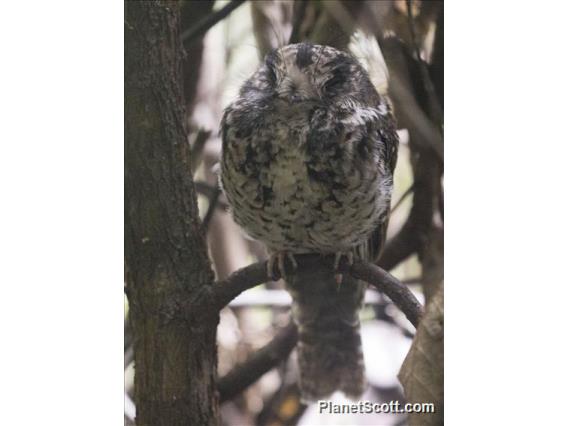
[[309, 150]]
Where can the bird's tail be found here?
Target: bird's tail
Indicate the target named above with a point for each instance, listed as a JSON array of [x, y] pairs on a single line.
[[330, 356]]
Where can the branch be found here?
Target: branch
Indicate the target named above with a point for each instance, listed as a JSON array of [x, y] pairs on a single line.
[[414, 233], [271, 24], [213, 201], [403, 245], [437, 64], [299, 13], [222, 292], [414, 280], [278, 350], [197, 148], [215, 297], [261, 362], [433, 104], [208, 191], [427, 166], [281, 298], [424, 132], [208, 22], [402, 198], [401, 296]]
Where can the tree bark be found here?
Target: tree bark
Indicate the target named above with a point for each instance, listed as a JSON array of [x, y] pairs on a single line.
[[165, 251]]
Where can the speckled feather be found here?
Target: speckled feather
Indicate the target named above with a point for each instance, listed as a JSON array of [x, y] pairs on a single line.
[[309, 150]]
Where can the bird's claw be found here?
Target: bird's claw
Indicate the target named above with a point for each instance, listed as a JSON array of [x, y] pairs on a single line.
[[279, 259]]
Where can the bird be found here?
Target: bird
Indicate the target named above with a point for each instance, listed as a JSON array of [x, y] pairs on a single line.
[[309, 149]]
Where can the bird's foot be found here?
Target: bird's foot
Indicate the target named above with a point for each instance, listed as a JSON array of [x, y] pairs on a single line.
[[337, 261], [278, 259]]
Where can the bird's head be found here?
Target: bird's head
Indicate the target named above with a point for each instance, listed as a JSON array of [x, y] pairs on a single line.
[[305, 72]]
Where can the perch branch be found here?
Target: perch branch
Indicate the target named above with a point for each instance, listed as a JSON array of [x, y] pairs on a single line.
[[224, 291], [280, 347], [213, 298], [209, 21], [401, 296], [260, 363]]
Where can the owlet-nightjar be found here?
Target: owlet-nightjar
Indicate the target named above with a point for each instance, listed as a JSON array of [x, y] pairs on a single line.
[[309, 151]]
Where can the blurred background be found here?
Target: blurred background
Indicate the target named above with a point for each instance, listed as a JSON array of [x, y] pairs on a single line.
[[224, 43]]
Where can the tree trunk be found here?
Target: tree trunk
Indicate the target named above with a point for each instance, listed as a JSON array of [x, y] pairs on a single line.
[[166, 257]]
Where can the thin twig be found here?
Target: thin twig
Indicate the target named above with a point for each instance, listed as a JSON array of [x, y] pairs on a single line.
[[260, 363], [208, 191], [415, 280], [209, 21], [213, 201], [402, 197], [197, 147], [203, 188]]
